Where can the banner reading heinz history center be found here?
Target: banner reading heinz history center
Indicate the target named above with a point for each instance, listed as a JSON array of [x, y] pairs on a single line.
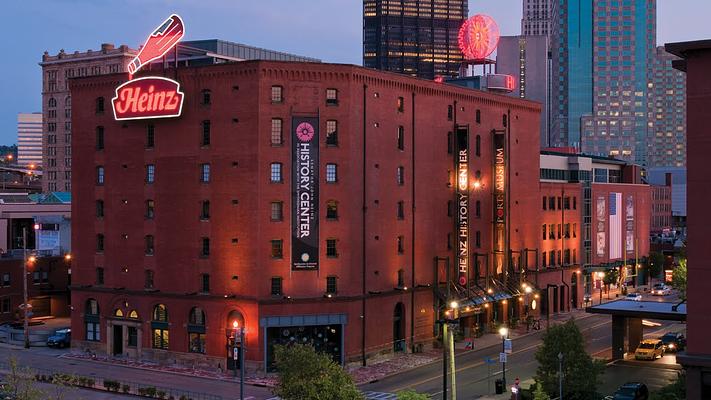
[[304, 189], [462, 201]]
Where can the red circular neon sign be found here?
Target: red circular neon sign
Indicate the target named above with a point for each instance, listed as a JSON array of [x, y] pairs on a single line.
[[478, 37]]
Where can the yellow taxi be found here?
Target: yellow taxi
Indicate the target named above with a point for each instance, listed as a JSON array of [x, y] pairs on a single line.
[[649, 349]]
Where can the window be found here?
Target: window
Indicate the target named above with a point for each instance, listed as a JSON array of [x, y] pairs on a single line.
[[331, 173], [331, 249], [99, 276], [277, 211], [331, 97], [52, 102], [450, 143], [99, 209], [275, 176], [91, 319], [400, 209], [566, 231], [205, 210], [206, 97], [204, 173], [196, 330], [560, 233], [149, 245], [205, 250], [205, 288], [159, 327], [99, 138], [150, 209], [6, 279], [331, 132], [400, 278], [478, 146], [99, 175], [99, 105], [148, 278], [477, 209], [277, 94], [551, 203], [545, 203], [205, 141], [543, 259], [566, 203], [575, 228], [331, 284], [100, 243], [150, 173], [332, 210], [575, 203], [277, 248], [477, 240], [450, 207], [477, 118], [401, 137], [551, 231], [401, 175], [560, 260], [276, 286], [5, 306], [401, 104], [400, 244], [277, 136], [560, 203], [545, 236], [150, 136], [132, 336], [450, 112]]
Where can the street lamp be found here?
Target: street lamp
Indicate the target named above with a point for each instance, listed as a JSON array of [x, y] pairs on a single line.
[[504, 332], [601, 275], [239, 351]]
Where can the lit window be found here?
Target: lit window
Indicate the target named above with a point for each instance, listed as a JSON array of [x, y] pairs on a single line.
[[204, 173], [150, 209], [275, 173], [277, 94], [277, 132], [331, 133], [401, 104], [401, 175], [100, 175], [331, 97], [150, 173], [331, 173]]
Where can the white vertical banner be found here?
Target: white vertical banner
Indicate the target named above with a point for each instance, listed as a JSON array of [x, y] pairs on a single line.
[[615, 225]]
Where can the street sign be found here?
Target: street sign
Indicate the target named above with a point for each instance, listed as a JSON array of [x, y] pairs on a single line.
[[508, 346], [235, 353], [502, 357]]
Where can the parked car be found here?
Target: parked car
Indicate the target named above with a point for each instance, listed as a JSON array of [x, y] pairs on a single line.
[[633, 297], [673, 341], [632, 391], [62, 338], [661, 289], [649, 349]]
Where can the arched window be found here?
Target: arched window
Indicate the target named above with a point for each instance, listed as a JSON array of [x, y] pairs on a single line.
[[91, 321], [52, 102], [68, 101], [133, 314], [159, 327], [118, 313], [196, 330]]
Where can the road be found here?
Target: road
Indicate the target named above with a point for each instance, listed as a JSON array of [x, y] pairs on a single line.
[[475, 378]]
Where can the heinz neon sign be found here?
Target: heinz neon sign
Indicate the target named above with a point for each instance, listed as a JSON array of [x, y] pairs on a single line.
[[163, 38], [149, 97]]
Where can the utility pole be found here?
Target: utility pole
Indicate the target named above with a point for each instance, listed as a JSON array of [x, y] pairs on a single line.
[[26, 306], [243, 350], [445, 350]]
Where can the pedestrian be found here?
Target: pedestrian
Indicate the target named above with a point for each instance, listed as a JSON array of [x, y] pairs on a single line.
[[516, 390]]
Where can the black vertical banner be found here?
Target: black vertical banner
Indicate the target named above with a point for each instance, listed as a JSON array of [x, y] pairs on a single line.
[[499, 200], [304, 193], [462, 202]]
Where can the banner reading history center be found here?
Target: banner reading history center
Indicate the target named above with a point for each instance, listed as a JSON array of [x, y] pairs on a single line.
[[304, 189]]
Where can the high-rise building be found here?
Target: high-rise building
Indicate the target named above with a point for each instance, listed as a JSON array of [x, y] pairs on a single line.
[[526, 59], [536, 17], [601, 53], [413, 37], [29, 139], [57, 105], [667, 105]]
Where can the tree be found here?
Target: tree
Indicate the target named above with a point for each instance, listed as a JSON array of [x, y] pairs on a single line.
[[580, 372], [611, 276], [20, 383], [656, 264], [679, 278], [539, 393], [411, 395], [304, 374], [674, 391]]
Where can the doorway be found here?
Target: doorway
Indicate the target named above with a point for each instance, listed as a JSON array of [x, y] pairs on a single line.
[[399, 327], [118, 340], [574, 289]]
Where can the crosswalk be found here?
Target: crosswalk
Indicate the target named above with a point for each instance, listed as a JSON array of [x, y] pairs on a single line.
[[368, 396]]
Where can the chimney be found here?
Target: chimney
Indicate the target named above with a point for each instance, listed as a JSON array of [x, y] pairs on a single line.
[[106, 47]]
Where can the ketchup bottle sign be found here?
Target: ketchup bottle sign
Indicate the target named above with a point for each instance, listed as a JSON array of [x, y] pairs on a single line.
[[159, 42]]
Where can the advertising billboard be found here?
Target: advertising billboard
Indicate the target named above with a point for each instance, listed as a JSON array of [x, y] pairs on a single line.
[[305, 191], [499, 200]]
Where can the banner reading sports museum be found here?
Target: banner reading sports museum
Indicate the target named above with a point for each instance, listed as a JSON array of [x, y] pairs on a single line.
[[304, 192]]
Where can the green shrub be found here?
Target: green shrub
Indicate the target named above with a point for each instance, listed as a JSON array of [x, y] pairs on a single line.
[[126, 388], [411, 395]]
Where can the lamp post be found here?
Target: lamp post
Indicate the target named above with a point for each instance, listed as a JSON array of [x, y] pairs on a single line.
[[601, 275], [25, 305], [504, 332], [239, 351]]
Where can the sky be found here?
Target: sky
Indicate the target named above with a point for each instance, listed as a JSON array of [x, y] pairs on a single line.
[[327, 29]]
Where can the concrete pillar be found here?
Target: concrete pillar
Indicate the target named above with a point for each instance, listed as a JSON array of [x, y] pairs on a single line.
[[634, 333], [619, 325]]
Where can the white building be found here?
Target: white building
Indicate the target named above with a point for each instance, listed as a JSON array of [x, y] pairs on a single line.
[[29, 138]]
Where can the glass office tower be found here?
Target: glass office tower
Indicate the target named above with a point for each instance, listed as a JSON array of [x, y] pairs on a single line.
[[413, 37]]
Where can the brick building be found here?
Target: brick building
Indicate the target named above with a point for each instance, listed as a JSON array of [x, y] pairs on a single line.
[[662, 207], [182, 226]]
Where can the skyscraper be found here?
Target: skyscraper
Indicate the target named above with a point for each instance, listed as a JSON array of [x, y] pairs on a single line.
[[413, 37], [601, 53], [29, 139], [667, 105], [536, 17]]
